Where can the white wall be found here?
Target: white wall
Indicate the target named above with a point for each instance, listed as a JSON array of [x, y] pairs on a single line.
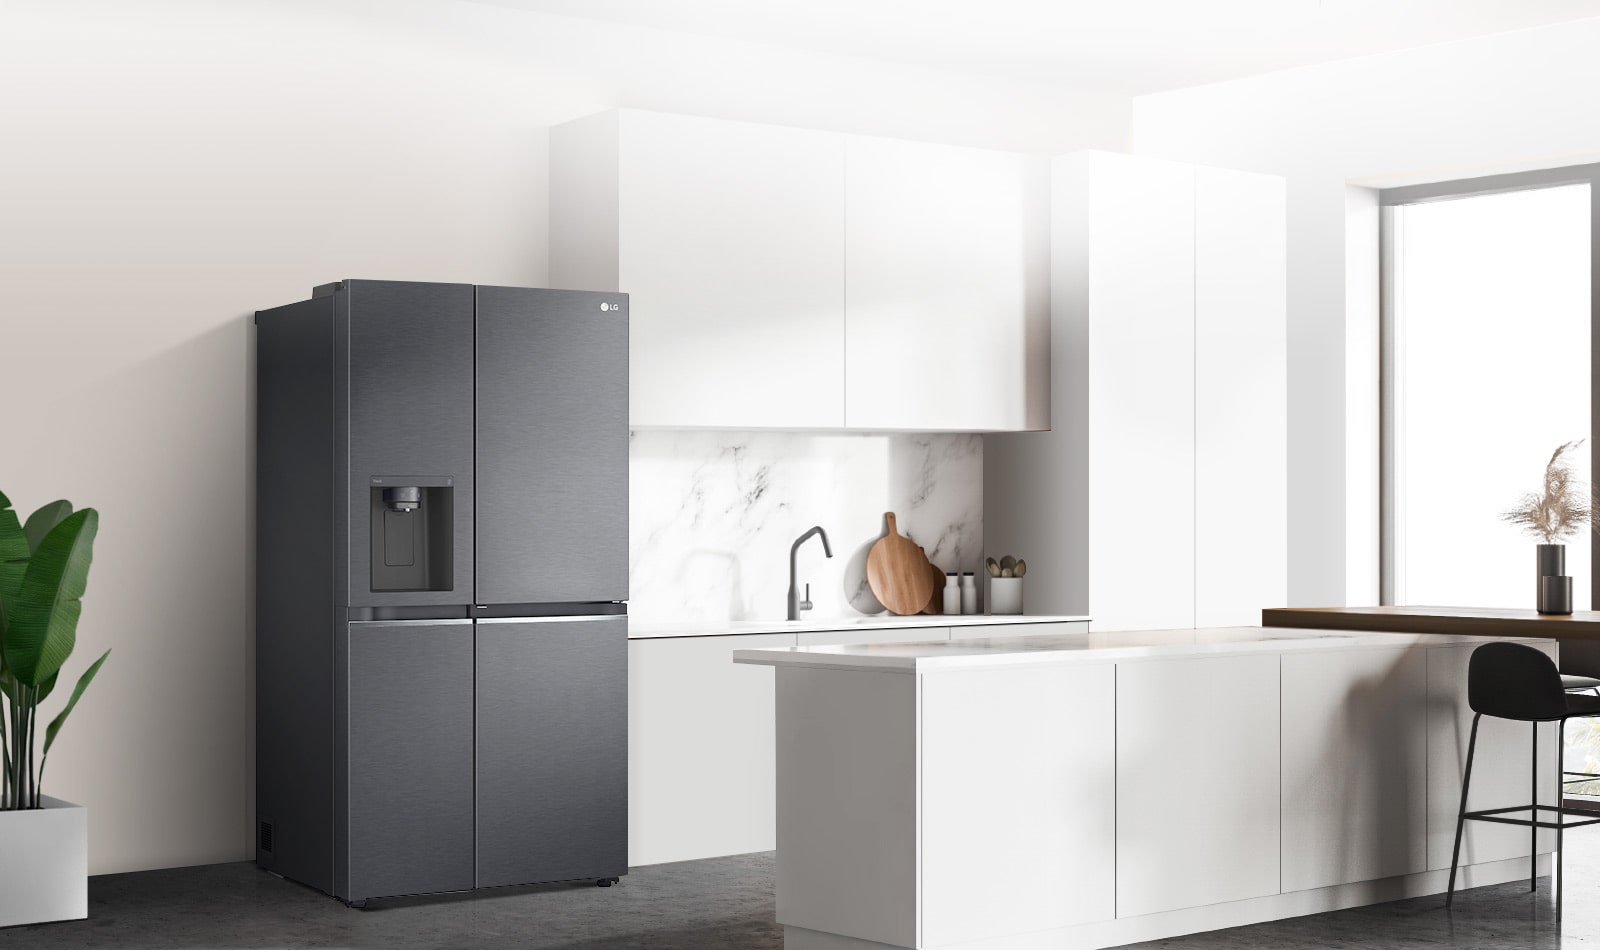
[[171, 166], [1498, 103]]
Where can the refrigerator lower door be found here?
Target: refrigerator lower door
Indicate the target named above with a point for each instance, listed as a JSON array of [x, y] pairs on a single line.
[[409, 756], [552, 763]]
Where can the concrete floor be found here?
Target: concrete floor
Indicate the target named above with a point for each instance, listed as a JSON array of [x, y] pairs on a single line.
[[720, 904]]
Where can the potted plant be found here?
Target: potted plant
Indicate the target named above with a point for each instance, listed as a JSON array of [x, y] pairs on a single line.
[[1558, 512], [44, 570]]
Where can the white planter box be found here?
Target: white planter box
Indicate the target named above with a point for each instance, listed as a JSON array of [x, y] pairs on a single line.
[[45, 875]]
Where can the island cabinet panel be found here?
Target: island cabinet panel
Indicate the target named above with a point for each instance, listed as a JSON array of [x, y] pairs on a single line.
[[1018, 776], [1197, 782], [847, 803], [1354, 780], [1501, 771], [701, 770]]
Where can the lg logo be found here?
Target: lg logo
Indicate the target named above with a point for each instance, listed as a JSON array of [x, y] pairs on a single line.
[[611, 306]]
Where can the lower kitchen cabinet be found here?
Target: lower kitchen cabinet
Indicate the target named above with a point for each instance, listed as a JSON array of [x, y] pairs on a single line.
[[818, 638], [1354, 778], [1018, 774], [701, 748], [976, 631], [1197, 782]]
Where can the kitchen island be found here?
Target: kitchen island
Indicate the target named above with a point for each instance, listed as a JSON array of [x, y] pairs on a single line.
[[1092, 790]]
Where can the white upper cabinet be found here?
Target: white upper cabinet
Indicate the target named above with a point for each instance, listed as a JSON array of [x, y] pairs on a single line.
[[799, 279], [729, 241], [937, 287]]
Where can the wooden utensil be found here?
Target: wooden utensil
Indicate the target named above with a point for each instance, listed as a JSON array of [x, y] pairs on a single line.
[[935, 599], [897, 572]]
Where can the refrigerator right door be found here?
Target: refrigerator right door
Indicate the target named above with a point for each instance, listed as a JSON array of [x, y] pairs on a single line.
[[552, 446], [552, 762]]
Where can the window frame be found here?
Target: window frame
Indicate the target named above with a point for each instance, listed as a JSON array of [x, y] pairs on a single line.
[[1391, 477]]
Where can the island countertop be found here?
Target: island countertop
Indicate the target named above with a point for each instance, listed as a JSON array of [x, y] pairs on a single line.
[[1088, 647]]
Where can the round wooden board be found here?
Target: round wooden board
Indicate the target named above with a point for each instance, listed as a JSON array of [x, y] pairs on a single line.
[[935, 599], [897, 572]]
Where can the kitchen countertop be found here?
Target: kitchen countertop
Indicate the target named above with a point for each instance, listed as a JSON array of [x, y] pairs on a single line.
[[642, 629], [1099, 647]]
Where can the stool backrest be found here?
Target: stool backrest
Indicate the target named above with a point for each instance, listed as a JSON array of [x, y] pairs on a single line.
[[1514, 681]]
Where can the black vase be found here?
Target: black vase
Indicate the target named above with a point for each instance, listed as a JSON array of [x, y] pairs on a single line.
[[1552, 562]]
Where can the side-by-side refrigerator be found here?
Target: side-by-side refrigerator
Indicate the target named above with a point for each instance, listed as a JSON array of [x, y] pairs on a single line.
[[441, 577]]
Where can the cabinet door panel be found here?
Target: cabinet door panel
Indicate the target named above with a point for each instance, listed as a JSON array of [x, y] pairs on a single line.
[[1006, 787], [410, 758], [1141, 395], [936, 287], [731, 245], [1354, 783], [977, 631], [552, 446], [701, 748], [1500, 768], [1197, 782], [552, 761], [1240, 397]]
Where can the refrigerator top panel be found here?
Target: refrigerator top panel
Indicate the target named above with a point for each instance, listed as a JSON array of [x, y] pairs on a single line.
[[552, 446]]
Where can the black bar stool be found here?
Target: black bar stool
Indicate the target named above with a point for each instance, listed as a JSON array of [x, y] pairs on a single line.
[[1514, 681]]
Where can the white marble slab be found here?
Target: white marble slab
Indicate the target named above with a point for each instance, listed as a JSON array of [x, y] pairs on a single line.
[[1088, 647], [712, 515]]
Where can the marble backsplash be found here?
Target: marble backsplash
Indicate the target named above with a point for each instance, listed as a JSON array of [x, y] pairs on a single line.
[[712, 515]]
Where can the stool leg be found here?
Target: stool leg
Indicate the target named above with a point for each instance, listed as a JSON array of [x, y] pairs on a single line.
[[1533, 838], [1461, 816], [1561, 817]]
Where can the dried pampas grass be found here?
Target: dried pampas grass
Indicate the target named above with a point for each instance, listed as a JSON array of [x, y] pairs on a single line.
[[1562, 510]]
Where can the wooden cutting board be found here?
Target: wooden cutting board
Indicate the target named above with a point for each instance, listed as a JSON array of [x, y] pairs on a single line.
[[897, 572], [935, 599]]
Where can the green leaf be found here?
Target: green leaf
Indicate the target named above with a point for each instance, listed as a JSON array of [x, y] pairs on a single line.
[[46, 518], [77, 691], [43, 625], [14, 553]]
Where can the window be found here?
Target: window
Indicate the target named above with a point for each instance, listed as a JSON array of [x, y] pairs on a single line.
[[1488, 371]]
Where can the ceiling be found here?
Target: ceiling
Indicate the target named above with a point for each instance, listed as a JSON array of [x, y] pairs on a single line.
[[1127, 47]]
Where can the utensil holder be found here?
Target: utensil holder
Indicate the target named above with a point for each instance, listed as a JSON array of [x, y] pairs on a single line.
[[1005, 595]]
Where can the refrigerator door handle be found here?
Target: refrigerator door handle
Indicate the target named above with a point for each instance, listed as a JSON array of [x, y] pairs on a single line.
[[571, 618]]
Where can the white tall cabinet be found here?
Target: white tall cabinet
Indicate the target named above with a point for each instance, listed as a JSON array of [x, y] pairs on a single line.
[[1158, 499], [785, 278]]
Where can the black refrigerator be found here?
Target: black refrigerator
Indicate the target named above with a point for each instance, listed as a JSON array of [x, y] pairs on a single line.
[[441, 577]]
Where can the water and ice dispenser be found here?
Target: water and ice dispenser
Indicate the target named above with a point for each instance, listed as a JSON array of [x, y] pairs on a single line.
[[413, 529]]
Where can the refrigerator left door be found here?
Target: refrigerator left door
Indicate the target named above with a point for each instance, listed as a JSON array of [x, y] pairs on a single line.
[[409, 758]]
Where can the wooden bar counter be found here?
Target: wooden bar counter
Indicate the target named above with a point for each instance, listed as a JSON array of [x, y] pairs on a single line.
[[1577, 632], [1468, 621]]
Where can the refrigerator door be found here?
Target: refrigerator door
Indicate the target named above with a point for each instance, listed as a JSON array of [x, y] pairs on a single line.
[[409, 757], [410, 416], [552, 446], [552, 760]]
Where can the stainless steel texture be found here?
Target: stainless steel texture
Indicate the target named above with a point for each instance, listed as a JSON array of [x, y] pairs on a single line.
[[552, 757], [410, 759], [552, 446]]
